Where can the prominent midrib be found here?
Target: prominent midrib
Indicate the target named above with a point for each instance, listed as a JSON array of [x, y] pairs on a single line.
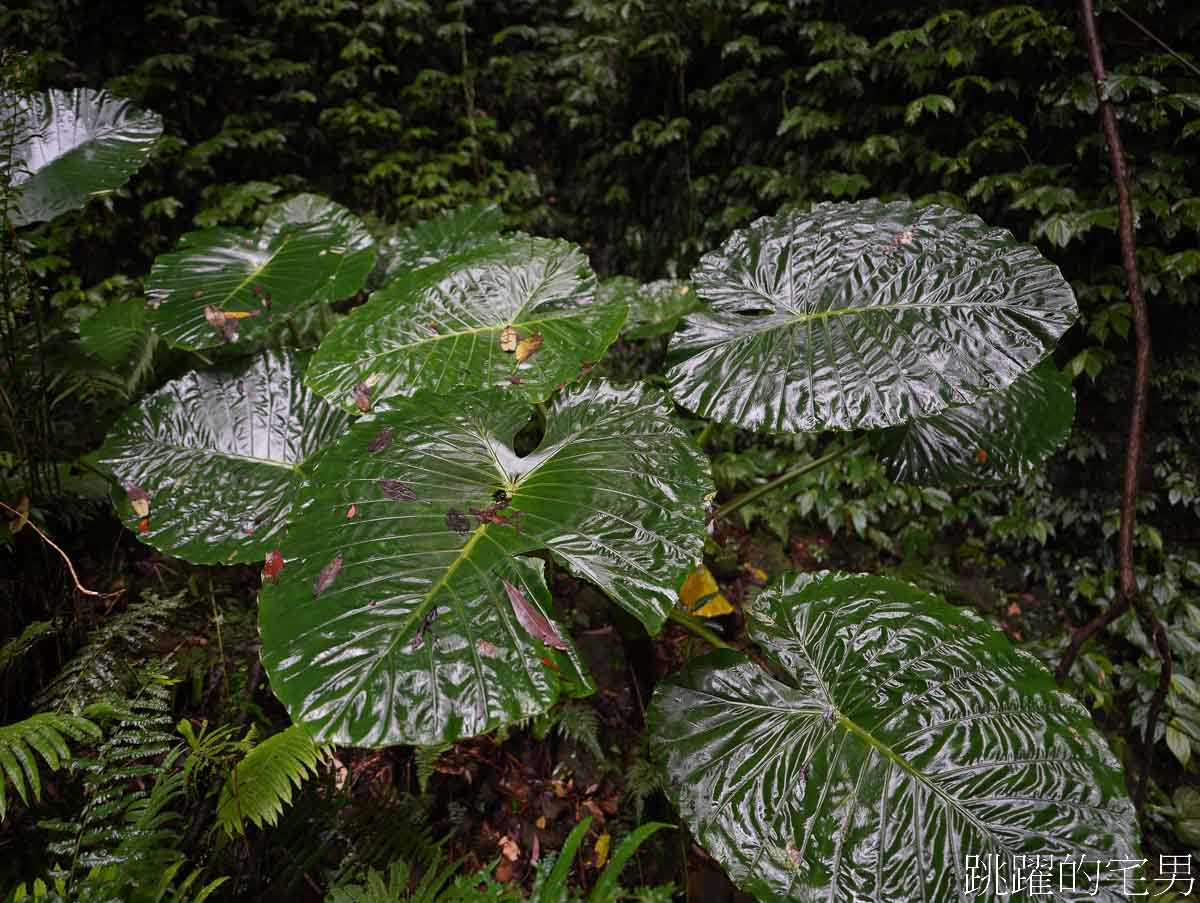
[[921, 778], [477, 331], [414, 617]]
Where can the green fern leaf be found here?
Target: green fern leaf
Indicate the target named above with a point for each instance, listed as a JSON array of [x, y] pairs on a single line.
[[101, 669], [261, 784], [46, 734], [30, 636]]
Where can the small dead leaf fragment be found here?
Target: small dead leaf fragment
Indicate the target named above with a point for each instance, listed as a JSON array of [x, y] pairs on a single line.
[[432, 327], [240, 314], [198, 294], [515, 380], [602, 845], [541, 822], [215, 318], [509, 339], [139, 498], [793, 853], [394, 489], [328, 575], [981, 457], [144, 525], [272, 565], [381, 441], [351, 512], [362, 397], [527, 346], [509, 848], [457, 521], [229, 333], [486, 649], [701, 595], [531, 618], [22, 516]]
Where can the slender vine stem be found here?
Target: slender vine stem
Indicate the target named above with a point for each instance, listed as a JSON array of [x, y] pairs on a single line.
[[696, 627], [783, 479], [1127, 590]]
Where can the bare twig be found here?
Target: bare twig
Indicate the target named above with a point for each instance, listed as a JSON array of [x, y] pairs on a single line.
[[1127, 589], [65, 557]]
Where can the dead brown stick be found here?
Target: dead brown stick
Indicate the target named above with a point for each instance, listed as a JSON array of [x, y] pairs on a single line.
[[1127, 589], [65, 557]]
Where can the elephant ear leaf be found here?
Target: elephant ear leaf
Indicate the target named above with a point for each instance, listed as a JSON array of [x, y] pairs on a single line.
[[863, 315], [207, 465], [655, 308], [907, 742], [999, 438], [517, 313], [227, 285], [353, 259], [436, 239], [71, 146], [420, 619]]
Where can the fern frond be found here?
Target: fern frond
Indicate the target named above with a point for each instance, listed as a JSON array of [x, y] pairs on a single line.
[[101, 669], [33, 633], [131, 754], [644, 778], [262, 783], [45, 733], [380, 830], [580, 723], [426, 758]]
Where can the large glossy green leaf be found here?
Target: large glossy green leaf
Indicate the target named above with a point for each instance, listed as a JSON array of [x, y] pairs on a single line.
[[308, 250], [864, 315], [440, 327], [909, 735], [114, 330], [219, 454], [72, 146], [391, 622], [436, 239], [655, 308], [354, 258], [1001, 437]]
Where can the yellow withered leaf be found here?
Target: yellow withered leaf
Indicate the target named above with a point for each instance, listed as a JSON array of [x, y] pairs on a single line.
[[701, 596], [508, 339], [527, 346], [239, 314], [602, 844]]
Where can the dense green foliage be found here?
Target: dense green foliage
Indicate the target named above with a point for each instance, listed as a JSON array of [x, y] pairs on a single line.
[[645, 132]]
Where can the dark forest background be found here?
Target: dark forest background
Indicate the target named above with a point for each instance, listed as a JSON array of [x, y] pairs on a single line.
[[646, 131]]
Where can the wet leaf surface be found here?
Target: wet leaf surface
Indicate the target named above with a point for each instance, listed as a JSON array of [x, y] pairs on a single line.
[[615, 493], [863, 316], [538, 291], [220, 452], [1000, 438], [909, 734], [224, 285], [72, 145]]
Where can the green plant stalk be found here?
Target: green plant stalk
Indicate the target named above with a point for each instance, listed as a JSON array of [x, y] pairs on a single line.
[[696, 627], [740, 501]]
